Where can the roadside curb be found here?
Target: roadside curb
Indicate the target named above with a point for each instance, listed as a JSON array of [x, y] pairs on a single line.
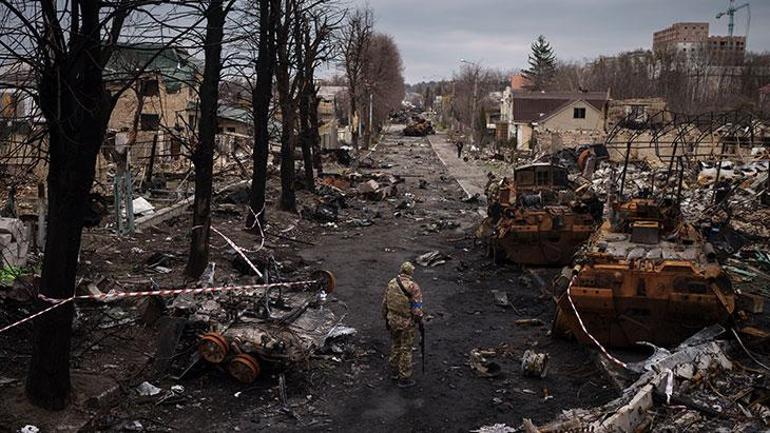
[[438, 155]]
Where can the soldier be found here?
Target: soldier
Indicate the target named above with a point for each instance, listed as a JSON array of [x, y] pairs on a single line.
[[402, 311]]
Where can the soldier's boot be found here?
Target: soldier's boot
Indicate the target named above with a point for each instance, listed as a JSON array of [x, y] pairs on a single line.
[[406, 382]]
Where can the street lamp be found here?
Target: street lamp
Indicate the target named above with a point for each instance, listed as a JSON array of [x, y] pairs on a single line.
[[474, 118]]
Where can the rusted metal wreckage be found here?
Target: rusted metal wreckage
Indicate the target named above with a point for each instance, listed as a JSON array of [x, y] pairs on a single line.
[[645, 275], [259, 335], [540, 217]]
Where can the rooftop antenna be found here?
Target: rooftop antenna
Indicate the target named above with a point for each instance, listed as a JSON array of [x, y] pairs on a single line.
[[730, 12]]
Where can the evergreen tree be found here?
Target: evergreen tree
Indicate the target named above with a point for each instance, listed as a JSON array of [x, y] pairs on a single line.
[[542, 64]]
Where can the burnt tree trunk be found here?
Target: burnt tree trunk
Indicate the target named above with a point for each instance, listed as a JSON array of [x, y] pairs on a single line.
[[261, 97], [305, 79], [286, 94], [203, 155], [69, 183], [314, 133], [306, 139], [288, 139], [77, 106]]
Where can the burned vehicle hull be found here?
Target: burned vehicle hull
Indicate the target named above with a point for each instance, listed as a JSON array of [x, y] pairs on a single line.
[[631, 286], [540, 219], [544, 237], [278, 328]]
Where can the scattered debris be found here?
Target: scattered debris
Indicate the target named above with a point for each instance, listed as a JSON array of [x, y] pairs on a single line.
[[482, 366], [501, 299], [142, 207], [146, 389], [495, 428], [534, 364], [694, 388], [432, 259]]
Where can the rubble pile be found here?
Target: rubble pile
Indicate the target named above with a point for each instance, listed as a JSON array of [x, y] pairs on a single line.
[[694, 387]]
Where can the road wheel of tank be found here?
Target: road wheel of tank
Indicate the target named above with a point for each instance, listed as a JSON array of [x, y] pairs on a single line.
[[213, 347], [244, 368], [326, 279]]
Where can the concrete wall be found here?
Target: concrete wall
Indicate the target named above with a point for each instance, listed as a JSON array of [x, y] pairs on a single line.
[[523, 135]]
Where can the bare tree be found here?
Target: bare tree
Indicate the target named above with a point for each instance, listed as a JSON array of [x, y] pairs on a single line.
[[384, 81], [470, 87], [215, 12], [261, 95], [313, 30], [355, 38], [287, 86], [65, 46]]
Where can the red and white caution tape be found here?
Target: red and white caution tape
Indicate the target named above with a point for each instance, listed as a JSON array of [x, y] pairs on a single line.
[[39, 313], [56, 303], [239, 250], [591, 337]]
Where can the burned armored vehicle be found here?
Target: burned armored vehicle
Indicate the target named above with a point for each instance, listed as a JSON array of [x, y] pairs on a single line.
[[276, 326], [540, 217], [645, 275]]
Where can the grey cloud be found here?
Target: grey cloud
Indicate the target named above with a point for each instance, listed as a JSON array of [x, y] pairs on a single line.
[[435, 34]]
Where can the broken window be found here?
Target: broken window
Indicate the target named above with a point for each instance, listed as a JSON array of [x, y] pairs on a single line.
[[176, 147], [579, 113], [149, 122], [150, 88]]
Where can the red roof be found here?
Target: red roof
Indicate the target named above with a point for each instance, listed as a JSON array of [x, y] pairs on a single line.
[[519, 82], [534, 106]]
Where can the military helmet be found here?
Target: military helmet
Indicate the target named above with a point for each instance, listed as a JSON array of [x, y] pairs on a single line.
[[407, 268]]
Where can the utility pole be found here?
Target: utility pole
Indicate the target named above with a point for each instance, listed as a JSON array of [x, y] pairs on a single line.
[[371, 116]]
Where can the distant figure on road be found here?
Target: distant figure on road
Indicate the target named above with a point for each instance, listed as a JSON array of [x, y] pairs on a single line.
[[402, 311], [459, 145]]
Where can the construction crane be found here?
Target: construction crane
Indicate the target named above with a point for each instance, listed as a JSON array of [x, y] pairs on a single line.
[[730, 12]]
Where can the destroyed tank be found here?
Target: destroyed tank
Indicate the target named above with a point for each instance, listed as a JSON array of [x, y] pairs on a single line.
[[259, 337], [645, 275], [539, 218]]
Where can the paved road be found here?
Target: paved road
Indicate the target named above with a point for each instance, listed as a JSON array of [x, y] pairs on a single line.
[[463, 316], [471, 178]]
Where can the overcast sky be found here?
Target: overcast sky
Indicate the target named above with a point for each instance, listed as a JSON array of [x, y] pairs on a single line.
[[434, 34]]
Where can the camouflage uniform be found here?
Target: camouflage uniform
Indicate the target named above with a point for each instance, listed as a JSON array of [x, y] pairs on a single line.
[[400, 313]]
